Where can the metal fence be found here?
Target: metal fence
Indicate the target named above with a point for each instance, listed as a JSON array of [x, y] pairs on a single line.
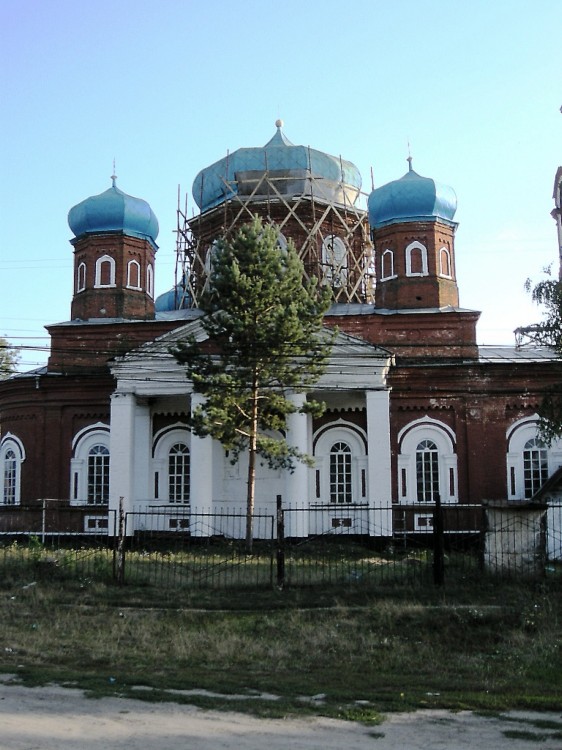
[[347, 545]]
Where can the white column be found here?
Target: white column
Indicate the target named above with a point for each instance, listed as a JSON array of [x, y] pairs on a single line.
[[121, 458], [297, 483], [142, 458], [201, 478], [379, 464]]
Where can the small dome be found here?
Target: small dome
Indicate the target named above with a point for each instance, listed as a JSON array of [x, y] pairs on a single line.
[[289, 168], [176, 298], [411, 198], [114, 211]]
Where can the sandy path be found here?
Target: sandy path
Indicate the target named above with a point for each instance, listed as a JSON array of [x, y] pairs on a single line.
[[54, 718]]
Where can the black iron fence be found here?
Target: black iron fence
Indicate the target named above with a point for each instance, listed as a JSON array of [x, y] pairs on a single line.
[[347, 545]]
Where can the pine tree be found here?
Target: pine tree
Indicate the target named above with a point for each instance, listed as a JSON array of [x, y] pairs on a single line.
[[9, 359], [265, 340], [548, 332], [548, 294]]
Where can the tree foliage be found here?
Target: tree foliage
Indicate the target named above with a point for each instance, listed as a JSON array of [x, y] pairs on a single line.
[[548, 332], [9, 359], [265, 340]]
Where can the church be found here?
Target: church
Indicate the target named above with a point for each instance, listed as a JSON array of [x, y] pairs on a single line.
[[415, 409]]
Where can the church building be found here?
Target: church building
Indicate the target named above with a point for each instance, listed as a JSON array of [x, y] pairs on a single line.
[[416, 410]]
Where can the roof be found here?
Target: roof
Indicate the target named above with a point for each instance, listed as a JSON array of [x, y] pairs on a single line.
[[189, 314], [361, 308], [513, 354]]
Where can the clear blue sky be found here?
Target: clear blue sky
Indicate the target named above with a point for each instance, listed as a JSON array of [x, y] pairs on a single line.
[[167, 88]]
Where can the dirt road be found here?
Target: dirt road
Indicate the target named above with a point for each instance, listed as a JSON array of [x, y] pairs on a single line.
[[54, 718]]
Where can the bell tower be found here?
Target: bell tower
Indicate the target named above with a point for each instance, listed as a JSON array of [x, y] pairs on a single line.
[[413, 233], [114, 253]]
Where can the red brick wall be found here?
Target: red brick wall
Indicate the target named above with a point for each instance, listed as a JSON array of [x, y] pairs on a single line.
[[118, 301], [77, 346], [415, 334], [403, 292]]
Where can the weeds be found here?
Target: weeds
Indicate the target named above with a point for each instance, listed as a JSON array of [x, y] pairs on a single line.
[[363, 655]]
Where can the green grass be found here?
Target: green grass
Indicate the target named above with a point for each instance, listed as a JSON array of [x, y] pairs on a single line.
[[487, 648]]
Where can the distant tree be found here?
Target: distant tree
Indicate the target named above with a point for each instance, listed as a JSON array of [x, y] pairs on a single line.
[[263, 321], [9, 359], [548, 332]]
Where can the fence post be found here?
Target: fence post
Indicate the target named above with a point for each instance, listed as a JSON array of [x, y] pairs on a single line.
[[43, 521], [438, 547], [121, 545], [280, 544]]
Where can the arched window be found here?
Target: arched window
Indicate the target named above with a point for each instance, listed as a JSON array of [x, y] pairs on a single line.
[[427, 462], [81, 278], [172, 464], [340, 456], [133, 274], [178, 473], [445, 263], [427, 471], [416, 259], [340, 473], [89, 466], [387, 265], [10, 475], [334, 260], [105, 271], [98, 475], [11, 457], [210, 257], [150, 280], [529, 461]]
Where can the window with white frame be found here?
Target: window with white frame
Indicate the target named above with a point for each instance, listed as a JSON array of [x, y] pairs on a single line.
[[427, 471], [12, 456], [529, 461], [81, 278], [427, 462], [178, 473], [133, 274], [535, 466], [172, 464], [340, 473], [98, 475], [445, 267], [416, 259], [212, 252], [150, 280], [105, 271], [387, 265], [334, 260], [89, 466], [340, 457]]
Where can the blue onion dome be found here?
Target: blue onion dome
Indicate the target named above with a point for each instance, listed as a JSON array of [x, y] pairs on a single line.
[[411, 198], [114, 211], [177, 298], [291, 171]]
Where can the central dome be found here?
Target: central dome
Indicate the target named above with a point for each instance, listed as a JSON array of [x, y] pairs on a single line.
[[281, 168]]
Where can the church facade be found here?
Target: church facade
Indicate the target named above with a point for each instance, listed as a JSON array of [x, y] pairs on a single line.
[[416, 410]]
